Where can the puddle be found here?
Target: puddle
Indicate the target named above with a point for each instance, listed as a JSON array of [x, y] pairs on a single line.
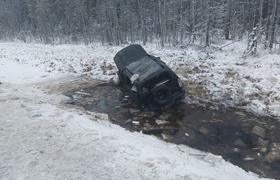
[[239, 137]]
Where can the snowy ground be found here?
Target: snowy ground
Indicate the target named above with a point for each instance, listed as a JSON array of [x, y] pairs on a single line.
[[41, 138], [225, 77]]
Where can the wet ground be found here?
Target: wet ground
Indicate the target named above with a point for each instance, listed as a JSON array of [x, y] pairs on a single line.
[[246, 140]]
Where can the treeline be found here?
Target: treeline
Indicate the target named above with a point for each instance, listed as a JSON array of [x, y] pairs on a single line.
[[168, 22]]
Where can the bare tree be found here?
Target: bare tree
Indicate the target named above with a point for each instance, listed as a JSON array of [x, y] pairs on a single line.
[[162, 21], [273, 24], [193, 20], [228, 19], [208, 24], [141, 19]]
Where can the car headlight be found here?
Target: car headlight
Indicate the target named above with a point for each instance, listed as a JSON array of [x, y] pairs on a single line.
[[180, 82]]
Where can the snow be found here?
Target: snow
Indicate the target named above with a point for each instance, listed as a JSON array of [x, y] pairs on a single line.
[[43, 138]]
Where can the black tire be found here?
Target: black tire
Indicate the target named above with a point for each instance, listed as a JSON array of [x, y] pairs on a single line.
[[161, 95]]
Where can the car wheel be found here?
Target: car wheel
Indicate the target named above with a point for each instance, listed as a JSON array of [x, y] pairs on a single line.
[[161, 95]]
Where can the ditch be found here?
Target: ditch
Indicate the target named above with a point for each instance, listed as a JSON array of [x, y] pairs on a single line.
[[246, 140]]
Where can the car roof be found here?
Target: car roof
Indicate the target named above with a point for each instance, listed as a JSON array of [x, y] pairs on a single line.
[[128, 55]]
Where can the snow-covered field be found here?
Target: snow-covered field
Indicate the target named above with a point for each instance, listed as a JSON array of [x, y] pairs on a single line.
[[42, 138], [225, 77]]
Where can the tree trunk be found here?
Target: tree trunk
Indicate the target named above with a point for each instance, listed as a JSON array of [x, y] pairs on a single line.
[[193, 19], [272, 29], [162, 22], [228, 19], [268, 22], [142, 27], [117, 35], [107, 26], [260, 21], [175, 24], [207, 41]]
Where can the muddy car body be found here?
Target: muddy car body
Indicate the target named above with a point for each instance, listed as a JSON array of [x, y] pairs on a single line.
[[150, 82]]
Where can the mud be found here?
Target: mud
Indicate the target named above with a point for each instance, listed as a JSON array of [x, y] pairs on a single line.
[[240, 137]]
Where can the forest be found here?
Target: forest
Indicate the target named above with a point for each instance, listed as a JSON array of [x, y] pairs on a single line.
[[166, 22]]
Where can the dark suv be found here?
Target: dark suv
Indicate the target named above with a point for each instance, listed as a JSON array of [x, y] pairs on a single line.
[[152, 85]]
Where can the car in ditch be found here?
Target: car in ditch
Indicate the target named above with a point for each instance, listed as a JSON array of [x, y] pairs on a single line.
[[151, 84]]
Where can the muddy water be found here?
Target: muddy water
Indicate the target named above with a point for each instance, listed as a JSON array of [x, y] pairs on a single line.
[[244, 139]]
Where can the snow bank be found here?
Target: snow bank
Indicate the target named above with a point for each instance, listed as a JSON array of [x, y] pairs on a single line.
[[42, 140]]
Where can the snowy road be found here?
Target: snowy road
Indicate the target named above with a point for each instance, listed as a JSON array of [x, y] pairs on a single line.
[[41, 139]]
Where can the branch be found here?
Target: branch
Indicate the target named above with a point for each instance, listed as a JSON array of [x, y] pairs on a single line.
[[229, 44]]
